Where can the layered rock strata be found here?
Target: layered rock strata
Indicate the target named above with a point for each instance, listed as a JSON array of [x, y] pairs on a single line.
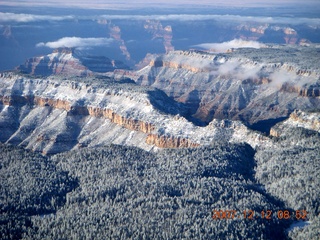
[[170, 141], [251, 85], [53, 115], [128, 123]]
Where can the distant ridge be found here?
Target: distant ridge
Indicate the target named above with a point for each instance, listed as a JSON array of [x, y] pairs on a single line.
[[69, 61]]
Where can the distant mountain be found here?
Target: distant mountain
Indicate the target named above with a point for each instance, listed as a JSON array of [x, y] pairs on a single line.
[[67, 61]]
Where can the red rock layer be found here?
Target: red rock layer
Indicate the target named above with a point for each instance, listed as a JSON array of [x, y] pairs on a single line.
[[128, 123], [132, 124], [175, 65], [170, 141]]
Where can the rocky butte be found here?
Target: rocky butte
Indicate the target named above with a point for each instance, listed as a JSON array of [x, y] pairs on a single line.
[[68, 61]]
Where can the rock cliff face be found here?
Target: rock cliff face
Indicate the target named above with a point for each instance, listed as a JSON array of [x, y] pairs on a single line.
[[115, 33], [251, 85], [176, 65], [269, 33], [53, 115], [307, 91], [170, 141], [128, 123], [65, 61], [158, 31]]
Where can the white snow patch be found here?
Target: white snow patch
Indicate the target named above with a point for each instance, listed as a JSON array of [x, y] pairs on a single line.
[[298, 224]]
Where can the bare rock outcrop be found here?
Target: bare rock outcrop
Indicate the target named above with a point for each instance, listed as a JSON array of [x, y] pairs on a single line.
[[176, 65], [308, 91], [170, 141], [158, 31], [298, 118], [115, 33], [309, 120], [128, 123]]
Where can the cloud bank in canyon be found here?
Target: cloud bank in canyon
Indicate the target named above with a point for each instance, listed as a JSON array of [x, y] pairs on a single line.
[[76, 42], [235, 43], [6, 17]]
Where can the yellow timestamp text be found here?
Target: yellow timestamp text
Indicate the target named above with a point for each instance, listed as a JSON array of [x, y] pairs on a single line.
[[264, 214]]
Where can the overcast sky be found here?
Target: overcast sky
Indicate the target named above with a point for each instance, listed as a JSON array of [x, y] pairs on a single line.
[[164, 3]]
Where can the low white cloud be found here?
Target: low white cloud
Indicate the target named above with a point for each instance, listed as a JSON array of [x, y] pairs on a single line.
[[76, 42], [22, 17], [228, 68], [220, 18], [249, 72], [236, 70], [281, 77], [223, 47]]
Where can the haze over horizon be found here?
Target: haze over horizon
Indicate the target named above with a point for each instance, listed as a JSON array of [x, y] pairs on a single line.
[[125, 4]]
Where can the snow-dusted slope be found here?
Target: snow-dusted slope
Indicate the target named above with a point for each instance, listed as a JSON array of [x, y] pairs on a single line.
[[246, 84], [66, 61], [54, 115], [307, 120]]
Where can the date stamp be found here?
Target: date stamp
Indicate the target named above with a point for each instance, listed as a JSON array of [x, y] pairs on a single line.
[[264, 214]]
